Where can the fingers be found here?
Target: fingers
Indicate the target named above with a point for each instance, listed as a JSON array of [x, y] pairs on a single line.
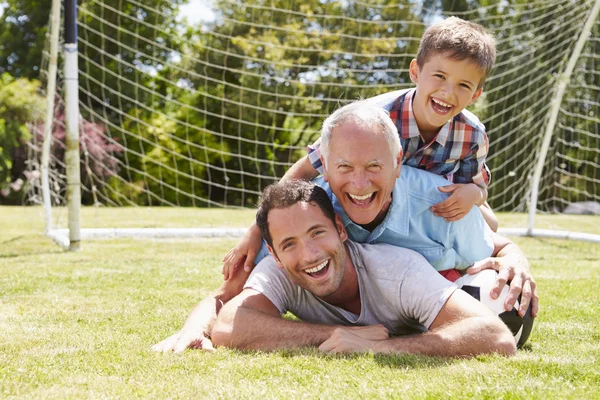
[[486, 263], [445, 205], [447, 188], [517, 285], [249, 262], [167, 344], [503, 277], [179, 342], [230, 268], [534, 299], [452, 215], [525, 297], [207, 345]]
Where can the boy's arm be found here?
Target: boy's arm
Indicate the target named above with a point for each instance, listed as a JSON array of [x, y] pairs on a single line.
[[470, 182]]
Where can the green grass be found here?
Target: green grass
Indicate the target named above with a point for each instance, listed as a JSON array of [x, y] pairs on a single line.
[[80, 325]]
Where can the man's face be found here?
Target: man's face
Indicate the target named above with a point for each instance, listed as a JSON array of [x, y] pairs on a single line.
[[444, 88], [309, 247], [360, 170]]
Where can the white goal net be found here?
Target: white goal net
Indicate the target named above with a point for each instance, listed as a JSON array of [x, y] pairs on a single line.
[[205, 112]]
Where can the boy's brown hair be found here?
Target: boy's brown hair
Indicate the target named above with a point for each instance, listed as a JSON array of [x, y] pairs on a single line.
[[459, 40]]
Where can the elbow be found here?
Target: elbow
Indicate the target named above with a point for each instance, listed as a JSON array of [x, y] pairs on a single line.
[[504, 341], [221, 334]]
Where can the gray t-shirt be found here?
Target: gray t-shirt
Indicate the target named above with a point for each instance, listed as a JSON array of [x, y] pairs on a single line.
[[398, 289]]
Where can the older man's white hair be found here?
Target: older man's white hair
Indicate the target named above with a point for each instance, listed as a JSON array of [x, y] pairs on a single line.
[[366, 115]]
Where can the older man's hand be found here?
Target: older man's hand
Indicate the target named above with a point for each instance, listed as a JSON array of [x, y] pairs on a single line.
[[512, 267]]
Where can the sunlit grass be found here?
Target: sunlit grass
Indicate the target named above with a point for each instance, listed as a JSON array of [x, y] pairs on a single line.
[[80, 325]]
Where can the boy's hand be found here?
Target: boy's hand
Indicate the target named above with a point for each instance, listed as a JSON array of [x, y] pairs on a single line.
[[244, 253], [460, 202]]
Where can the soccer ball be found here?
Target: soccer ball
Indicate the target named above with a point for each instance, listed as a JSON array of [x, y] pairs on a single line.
[[479, 286]]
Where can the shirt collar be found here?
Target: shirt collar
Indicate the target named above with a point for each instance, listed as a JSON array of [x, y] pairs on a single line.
[[396, 219], [410, 128]]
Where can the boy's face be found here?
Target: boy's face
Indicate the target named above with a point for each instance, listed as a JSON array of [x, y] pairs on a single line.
[[444, 88]]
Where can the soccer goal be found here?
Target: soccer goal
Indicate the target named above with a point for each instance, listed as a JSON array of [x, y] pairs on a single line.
[[159, 103]]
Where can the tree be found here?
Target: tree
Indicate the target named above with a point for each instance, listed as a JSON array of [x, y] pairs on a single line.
[[20, 104], [23, 27]]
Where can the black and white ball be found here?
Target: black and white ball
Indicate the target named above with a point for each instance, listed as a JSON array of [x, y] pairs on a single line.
[[479, 286]]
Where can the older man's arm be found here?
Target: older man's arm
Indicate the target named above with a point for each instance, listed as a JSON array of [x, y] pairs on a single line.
[[512, 265], [463, 328], [251, 321]]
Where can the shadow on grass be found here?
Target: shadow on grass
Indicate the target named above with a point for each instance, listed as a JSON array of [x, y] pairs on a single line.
[[14, 239], [30, 253], [400, 361]]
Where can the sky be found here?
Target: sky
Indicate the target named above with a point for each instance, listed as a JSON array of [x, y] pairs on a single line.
[[197, 11]]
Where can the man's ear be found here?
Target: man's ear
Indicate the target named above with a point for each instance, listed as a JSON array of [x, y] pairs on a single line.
[[413, 71], [398, 163], [476, 95], [340, 228], [275, 256], [325, 172]]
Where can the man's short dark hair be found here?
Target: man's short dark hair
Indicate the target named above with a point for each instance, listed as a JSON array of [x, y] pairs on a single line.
[[287, 193]]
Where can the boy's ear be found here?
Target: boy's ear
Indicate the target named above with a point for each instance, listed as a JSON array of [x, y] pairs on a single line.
[[275, 256], [414, 71], [476, 95]]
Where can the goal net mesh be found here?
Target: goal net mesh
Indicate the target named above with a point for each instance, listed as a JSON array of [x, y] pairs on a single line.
[[182, 111]]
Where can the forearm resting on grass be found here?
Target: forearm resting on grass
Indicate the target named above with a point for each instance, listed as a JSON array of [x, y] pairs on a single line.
[[196, 330], [251, 321], [198, 326], [463, 328]]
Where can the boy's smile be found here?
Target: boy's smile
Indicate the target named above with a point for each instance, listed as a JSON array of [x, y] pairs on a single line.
[[444, 88]]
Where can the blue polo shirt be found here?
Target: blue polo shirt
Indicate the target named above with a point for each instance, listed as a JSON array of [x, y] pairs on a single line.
[[409, 223]]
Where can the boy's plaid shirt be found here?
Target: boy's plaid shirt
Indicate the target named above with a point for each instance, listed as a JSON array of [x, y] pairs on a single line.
[[458, 151]]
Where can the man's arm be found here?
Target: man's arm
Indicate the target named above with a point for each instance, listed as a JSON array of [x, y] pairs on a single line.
[[245, 251], [251, 321], [463, 328], [195, 333], [512, 265]]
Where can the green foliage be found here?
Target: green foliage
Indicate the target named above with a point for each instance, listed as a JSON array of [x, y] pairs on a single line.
[[293, 66], [23, 27], [20, 105]]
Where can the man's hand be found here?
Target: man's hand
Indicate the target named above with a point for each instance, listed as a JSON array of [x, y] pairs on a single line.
[[460, 202], [354, 339], [511, 267], [184, 339], [244, 252]]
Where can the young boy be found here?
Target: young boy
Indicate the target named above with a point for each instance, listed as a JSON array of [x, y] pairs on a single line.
[[436, 132]]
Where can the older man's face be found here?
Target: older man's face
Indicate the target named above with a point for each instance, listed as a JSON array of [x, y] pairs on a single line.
[[360, 170]]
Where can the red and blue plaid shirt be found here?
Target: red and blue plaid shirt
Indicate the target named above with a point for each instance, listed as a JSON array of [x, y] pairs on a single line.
[[457, 152]]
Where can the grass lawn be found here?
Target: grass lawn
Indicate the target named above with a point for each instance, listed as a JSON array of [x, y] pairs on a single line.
[[80, 325]]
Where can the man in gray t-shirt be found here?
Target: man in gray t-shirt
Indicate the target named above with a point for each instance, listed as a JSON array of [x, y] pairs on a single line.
[[350, 297], [397, 289]]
